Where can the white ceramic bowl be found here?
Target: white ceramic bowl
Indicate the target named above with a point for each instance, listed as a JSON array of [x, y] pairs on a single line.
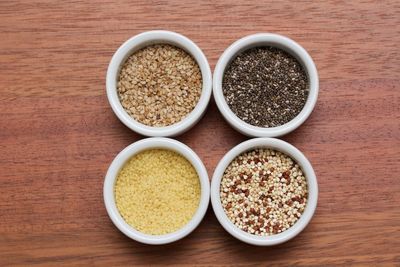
[[138, 42], [118, 163], [257, 40], [308, 171]]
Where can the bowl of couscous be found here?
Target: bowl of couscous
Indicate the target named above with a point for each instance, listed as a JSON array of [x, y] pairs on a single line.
[[156, 191]]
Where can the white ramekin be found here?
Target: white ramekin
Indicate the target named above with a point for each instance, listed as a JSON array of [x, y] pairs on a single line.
[[258, 40], [295, 154], [118, 163], [142, 40]]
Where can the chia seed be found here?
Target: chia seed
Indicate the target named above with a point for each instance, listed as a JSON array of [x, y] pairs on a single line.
[[265, 86]]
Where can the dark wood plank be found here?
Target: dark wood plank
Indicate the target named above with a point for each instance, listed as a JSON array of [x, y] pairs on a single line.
[[58, 134]]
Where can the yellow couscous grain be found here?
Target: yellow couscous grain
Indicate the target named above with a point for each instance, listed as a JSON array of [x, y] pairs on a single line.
[[157, 191]]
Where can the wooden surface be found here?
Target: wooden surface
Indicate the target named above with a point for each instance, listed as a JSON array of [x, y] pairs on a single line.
[[58, 133]]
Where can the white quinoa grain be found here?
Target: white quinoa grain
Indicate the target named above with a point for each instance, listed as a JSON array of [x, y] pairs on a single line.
[[261, 194]]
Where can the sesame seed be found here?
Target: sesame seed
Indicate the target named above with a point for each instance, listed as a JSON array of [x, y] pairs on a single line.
[[159, 85]]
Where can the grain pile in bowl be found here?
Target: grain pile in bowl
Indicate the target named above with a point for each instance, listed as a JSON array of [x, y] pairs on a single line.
[[159, 85], [263, 192], [265, 86], [157, 191]]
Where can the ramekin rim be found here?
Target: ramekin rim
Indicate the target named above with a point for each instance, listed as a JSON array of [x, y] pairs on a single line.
[[312, 183], [159, 36], [119, 161], [268, 38]]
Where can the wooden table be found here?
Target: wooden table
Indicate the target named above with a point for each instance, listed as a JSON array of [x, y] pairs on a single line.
[[58, 133]]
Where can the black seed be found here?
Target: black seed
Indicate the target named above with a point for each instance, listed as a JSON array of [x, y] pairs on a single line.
[[265, 86]]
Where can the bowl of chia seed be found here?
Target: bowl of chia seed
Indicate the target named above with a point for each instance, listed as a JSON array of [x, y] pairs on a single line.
[[265, 85]]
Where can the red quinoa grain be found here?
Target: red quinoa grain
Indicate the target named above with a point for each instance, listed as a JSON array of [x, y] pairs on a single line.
[[263, 204]]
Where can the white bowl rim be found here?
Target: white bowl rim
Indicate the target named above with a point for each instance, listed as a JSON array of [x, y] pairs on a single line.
[[142, 40], [278, 145], [126, 154], [264, 39]]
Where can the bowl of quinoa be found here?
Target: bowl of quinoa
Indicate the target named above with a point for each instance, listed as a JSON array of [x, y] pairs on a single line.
[[264, 191], [156, 191], [159, 83]]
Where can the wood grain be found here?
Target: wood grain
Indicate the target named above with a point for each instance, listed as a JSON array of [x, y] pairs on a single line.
[[58, 134]]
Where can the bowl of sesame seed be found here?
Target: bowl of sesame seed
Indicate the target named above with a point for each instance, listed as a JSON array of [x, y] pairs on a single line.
[[264, 191], [265, 85], [159, 83], [156, 191]]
